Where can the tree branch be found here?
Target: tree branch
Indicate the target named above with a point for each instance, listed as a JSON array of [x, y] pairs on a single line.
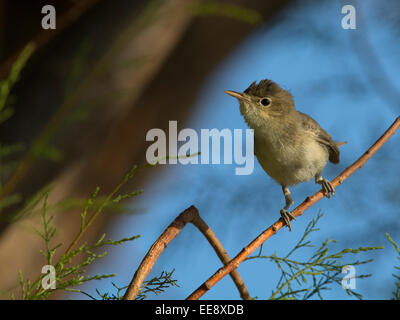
[[308, 202], [189, 215]]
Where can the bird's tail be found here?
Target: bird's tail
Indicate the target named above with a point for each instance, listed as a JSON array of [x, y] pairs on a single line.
[[340, 143]]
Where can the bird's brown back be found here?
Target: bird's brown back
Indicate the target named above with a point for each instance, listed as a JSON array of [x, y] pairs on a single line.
[[322, 136]]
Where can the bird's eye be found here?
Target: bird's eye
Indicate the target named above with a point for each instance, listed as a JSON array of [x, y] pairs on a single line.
[[265, 102]]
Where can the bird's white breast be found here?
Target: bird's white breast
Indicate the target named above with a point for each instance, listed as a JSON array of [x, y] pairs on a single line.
[[291, 162]]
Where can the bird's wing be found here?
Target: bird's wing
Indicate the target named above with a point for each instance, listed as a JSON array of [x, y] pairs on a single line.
[[322, 136]]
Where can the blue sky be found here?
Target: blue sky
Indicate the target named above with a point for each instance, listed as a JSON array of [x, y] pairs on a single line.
[[307, 52]]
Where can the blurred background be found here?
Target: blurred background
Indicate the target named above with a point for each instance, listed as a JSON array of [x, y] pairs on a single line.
[[112, 70]]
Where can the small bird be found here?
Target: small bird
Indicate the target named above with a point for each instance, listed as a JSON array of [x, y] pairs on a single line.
[[290, 146]]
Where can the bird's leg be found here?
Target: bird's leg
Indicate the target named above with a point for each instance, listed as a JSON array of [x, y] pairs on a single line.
[[327, 186], [286, 215]]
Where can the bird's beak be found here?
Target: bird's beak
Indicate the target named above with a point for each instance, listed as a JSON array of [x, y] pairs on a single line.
[[238, 95]]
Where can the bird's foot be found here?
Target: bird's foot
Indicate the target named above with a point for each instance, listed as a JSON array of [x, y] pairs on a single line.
[[287, 216], [327, 187]]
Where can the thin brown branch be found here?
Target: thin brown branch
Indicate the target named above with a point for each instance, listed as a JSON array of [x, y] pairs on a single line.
[[189, 215], [234, 263], [222, 254]]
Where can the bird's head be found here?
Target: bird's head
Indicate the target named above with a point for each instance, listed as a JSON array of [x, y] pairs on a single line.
[[264, 102]]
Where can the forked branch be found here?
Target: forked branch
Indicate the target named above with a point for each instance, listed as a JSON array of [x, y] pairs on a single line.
[[189, 215]]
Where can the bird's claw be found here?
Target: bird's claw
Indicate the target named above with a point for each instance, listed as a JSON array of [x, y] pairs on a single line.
[[327, 188], [287, 216]]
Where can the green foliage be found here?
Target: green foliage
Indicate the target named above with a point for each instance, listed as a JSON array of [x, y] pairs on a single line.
[[51, 153], [41, 147], [156, 285], [29, 207], [69, 274], [227, 10], [6, 111], [7, 165], [9, 201], [77, 68], [11, 149], [310, 277], [396, 292], [7, 84], [70, 271]]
